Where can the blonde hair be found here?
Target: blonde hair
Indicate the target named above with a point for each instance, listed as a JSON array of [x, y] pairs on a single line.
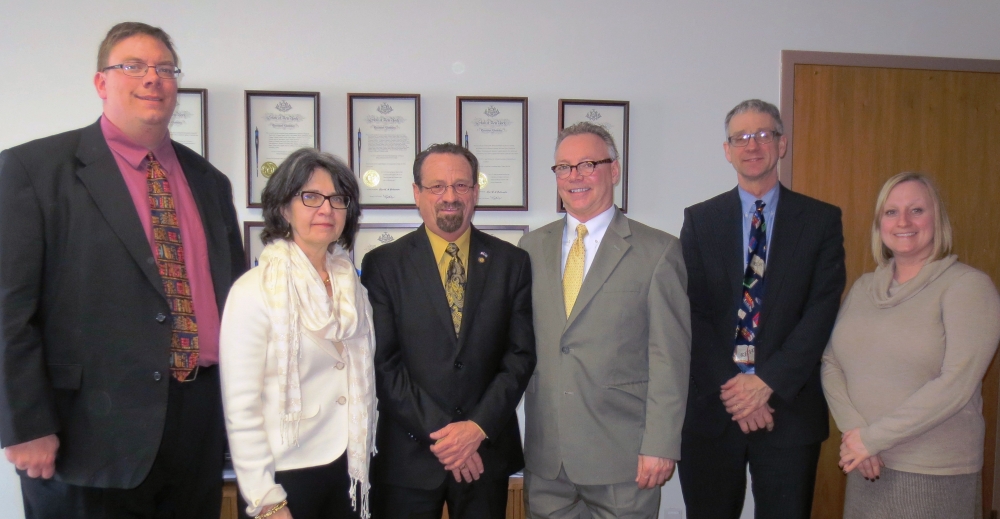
[[942, 225]]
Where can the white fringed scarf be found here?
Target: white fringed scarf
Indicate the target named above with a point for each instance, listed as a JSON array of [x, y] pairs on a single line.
[[296, 299]]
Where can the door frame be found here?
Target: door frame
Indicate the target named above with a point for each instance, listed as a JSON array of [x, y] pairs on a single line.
[[791, 58]]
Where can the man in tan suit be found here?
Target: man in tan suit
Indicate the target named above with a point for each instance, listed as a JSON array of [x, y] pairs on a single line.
[[605, 405]]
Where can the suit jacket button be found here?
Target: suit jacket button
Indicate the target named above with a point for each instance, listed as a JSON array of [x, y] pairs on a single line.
[[160, 317], [412, 437], [157, 376], [564, 349], [342, 400], [458, 411], [459, 365]]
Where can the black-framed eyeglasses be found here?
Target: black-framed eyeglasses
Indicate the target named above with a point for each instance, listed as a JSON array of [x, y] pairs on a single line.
[[139, 69], [314, 199], [762, 137], [585, 168], [461, 189]]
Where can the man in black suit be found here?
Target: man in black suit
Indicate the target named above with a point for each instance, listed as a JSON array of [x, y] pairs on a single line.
[[117, 250], [455, 349], [765, 275]]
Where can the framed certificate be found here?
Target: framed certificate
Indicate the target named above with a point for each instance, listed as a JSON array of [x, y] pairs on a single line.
[[189, 124], [383, 140], [508, 233], [613, 117], [251, 242], [371, 235], [495, 129], [278, 123]]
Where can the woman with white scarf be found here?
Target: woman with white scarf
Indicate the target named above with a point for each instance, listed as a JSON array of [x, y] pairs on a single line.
[[296, 352]]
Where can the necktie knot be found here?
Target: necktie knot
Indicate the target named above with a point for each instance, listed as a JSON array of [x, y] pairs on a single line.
[[452, 250], [759, 204], [581, 231]]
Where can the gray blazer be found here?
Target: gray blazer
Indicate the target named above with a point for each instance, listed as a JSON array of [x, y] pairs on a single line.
[[611, 381]]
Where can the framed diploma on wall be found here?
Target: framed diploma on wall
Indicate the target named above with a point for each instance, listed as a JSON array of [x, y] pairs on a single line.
[[278, 123], [508, 233], [613, 117], [189, 124], [495, 130], [383, 140], [371, 235], [251, 242]]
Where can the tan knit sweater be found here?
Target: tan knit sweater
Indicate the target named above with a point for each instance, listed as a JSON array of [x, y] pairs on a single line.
[[906, 361]]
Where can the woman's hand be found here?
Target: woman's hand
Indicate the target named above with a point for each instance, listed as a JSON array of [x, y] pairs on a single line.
[[871, 467], [852, 451]]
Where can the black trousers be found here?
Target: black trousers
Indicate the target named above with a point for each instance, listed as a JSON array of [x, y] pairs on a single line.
[[321, 492], [713, 475], [185, 480], [483, 499]]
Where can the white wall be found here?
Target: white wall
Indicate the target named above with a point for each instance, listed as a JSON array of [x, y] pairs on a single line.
[[682, 65]]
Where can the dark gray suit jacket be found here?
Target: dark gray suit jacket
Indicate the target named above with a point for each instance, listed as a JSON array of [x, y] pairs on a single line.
[[805, 278], [84, 326]]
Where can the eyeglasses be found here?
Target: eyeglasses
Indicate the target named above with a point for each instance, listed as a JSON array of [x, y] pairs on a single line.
[[314, 199], [584, 168], [762, 137], [139, 69], [461, 189]]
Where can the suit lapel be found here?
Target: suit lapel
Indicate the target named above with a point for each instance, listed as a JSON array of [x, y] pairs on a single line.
[[212, 221], [788, 226], [103, 180], [552, 267], [422, 261], [477, 272], [613, 247]]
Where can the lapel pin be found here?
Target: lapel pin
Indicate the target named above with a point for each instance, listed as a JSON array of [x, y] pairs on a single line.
[[483, 256]]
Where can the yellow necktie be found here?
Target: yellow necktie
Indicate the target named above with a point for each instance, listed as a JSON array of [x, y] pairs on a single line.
[[573, 276], [454, 286]]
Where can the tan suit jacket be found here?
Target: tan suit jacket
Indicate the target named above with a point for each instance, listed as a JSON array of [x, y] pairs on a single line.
[[611, 381]]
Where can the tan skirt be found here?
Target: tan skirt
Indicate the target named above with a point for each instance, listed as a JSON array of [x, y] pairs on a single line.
[[898, 494]]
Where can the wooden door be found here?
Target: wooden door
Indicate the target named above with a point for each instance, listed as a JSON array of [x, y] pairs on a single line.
[[854, 127]]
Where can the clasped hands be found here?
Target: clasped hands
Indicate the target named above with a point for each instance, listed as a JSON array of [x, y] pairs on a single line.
[[854, 455], [455, 447], [36, 457], [745, 397]]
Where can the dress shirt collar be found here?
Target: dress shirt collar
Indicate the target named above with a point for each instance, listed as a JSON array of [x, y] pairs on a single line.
[[770, 200], [596, 226], [439, 244], [128, 149]]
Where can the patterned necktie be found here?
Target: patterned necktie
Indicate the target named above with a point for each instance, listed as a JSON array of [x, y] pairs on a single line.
[[753, 292], [454, 286], [573, 276], [170, 262]]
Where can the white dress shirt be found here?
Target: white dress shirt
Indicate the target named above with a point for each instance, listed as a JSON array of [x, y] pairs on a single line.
[[596, 227]]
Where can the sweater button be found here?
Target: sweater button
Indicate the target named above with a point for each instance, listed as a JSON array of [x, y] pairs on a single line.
[[342, 400], [340, 365]]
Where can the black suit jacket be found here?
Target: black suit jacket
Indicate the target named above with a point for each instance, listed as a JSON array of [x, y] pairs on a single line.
[[805, 278], [84, 322], [426, 377]]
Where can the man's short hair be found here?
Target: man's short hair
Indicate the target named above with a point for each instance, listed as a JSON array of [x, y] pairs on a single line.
[[445, 147], [286, 183], [127, 30], [585, 127], [757, 106]]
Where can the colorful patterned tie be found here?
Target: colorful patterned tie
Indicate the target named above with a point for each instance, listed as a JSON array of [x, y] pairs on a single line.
[[753, 292], [573, 276], [454, 286], [170, 262]]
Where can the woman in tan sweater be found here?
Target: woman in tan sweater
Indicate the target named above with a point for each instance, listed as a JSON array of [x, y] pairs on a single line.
[[904, 366]]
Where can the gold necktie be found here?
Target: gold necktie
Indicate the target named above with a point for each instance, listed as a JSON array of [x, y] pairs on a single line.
[[454, 286], [573, 276]]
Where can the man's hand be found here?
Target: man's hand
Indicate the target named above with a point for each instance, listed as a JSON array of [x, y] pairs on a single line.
[[744, 394], [852, 450], [760, 419], [36, 457], [470, 470], [653, 471], [455, 442]]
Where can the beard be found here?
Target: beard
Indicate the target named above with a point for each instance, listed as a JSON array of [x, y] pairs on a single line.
[[451, 222]]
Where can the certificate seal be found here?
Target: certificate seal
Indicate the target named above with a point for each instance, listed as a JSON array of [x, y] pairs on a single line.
[[267, 169], [371, 178], [483, 180]]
